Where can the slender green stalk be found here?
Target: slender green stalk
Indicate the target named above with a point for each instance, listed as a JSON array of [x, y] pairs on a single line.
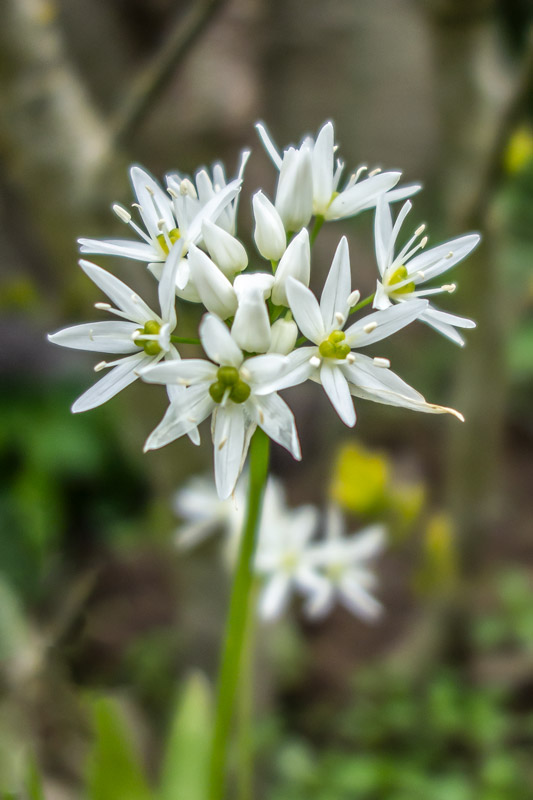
[[363, 303], [319, 221], [245, 783], [238, 614], [184, 340]]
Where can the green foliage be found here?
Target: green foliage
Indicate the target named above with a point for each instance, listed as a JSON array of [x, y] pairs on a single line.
[[511, 623], [114, 765], [185, 764]]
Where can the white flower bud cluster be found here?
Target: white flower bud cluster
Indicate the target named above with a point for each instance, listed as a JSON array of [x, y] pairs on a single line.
[[263, 329]]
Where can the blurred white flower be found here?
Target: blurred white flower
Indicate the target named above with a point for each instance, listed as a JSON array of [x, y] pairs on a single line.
[[232, 390], [402, 273], [343, 562]]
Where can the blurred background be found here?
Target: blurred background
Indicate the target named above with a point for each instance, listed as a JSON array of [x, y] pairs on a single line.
[[102, 620]]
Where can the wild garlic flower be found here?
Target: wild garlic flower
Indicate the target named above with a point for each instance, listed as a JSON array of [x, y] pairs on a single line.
[[343, 564], [309, 178], [234, 391], [403, 273], [331, 361], [141, 335]]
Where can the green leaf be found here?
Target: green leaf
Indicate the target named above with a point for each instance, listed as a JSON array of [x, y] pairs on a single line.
[[34, 785], [185, 765], [114, 769]]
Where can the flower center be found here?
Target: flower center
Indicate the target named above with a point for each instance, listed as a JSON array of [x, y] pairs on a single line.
[[229, 383], [173, 235], [150, 346], [399, 275], [334, 346]]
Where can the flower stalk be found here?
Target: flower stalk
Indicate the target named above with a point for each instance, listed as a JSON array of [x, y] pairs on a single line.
[[236, 626]]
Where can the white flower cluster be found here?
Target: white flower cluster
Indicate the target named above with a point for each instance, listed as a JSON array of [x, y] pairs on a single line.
[[289, 559], [250, 333]]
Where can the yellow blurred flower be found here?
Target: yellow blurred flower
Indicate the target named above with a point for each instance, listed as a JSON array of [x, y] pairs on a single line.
[[438, 570], [360, 479], [519, 152]]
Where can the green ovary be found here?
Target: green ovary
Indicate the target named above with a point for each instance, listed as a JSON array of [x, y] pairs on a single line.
[[399, 275], [173, 235], [228, 380], [150, 346], [334, 346]]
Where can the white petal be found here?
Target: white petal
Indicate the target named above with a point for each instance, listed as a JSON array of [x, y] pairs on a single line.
[[294, 194], [283, 336], [251, 326], [180, 371], [167, 285], [155, 204], [382, 233], [434, 261], [323, 157], [138, 251], [336, 387], [337, 287], [213, 209], [387, 322], [215, 290], [365, 374], [274, 596], [124, 298], [269, 232], [269, 145], [274, 416], [218, 343], [306, 311], [367, 544], [182, 417], [296, 371], [226, 251], [357, 600], [265, 368], [403, 192], [102, 337], [358, 196], [296, 263], [116, 379], [228, 442]]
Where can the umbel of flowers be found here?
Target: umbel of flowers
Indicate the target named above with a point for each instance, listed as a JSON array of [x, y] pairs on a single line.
[[264, 330]]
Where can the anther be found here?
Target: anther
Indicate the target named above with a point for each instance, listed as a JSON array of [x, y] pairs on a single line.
[[315, 361], [420, 229], [172, 193], [102, 306], [187, 188], [374, 172], [449, 287], [354, 298], [121, 213], [245, 374], [381, 362], [350, 358], [424, 241], [100, 366], [150, 190], [421, 274], [370, 327], [450, 254], [339, 318], [222, 443]]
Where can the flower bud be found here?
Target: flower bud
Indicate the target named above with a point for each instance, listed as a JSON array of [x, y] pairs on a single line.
[[294, 195], [296, 263], [251, 326], [283, 335], [214, 289], [226, 251], [269, 233]]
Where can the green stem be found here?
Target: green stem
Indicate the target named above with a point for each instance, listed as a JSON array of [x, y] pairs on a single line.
[[245, 783], [363, 303], [319, 221], [238, 614], [184, 340]]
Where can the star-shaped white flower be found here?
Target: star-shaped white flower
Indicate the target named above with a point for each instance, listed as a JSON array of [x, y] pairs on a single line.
[[141, 335], [331, 361], [168, 217], [403, 273], [232, 390], [319, 192], [343, 563]]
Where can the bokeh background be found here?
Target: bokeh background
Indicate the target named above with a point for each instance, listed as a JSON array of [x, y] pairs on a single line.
[[102, 620]]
